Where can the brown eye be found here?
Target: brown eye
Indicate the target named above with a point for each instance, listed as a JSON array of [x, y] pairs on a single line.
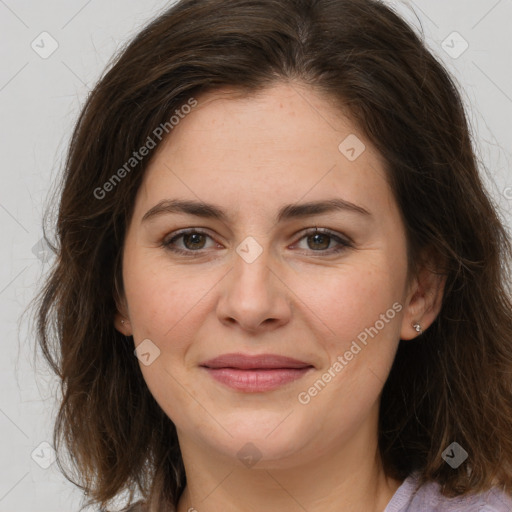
[[320, 241], [193, 241]]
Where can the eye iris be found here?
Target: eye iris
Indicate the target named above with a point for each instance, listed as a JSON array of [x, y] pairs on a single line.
[[195, 237], [320, 236]]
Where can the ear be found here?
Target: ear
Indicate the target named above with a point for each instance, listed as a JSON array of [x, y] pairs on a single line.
[[122, 324], [424, 298], [121, 317]]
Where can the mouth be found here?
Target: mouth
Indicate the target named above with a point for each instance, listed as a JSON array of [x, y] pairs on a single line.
[[253, 374]]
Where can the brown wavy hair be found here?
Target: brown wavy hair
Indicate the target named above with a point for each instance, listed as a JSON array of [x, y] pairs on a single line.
[[452, 384]]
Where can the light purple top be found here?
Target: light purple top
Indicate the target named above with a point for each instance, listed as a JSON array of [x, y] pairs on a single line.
[[428, 499]]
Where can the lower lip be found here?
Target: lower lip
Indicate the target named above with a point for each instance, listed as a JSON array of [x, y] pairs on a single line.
[[254, 381]]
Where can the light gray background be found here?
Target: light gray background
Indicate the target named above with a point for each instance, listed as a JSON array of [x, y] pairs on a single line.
[[40, 99]]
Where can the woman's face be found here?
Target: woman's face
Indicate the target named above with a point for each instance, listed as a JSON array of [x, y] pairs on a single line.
[[256, 281]]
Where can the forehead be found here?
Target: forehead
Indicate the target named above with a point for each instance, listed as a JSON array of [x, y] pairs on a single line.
[[275, 119], [284, 142]]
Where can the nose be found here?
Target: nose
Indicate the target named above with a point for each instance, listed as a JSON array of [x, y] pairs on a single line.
[[254, 296]]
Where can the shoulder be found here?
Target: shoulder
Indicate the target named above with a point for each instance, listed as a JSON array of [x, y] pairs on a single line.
[[411, 498]]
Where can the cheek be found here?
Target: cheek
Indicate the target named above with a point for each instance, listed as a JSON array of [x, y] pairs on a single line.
[[360, 314], [162, 298], [350, 298], [166, 306]]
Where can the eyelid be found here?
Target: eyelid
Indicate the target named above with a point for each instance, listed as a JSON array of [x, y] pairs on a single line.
[[339, 237], [167, 241]]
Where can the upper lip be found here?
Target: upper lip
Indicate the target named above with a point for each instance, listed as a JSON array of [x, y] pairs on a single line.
[[250, 362]]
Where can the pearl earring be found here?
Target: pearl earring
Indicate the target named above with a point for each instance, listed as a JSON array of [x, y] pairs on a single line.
[[418, 328]]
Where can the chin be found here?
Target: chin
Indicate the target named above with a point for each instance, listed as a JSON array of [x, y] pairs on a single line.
[[260, 439]]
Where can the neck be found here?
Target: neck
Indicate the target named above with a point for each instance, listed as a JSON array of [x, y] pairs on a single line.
[[348, 479]]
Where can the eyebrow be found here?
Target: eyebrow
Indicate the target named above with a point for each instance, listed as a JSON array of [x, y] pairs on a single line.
[[287, 212]]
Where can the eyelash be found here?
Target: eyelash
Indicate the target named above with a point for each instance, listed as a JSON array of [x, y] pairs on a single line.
[[167, 244]]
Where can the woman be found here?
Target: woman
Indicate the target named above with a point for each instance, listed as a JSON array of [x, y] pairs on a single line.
[[281, 284]]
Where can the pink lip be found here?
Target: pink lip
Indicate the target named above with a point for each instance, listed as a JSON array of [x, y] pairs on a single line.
[[255, 373], [260, 362], [256, 381]]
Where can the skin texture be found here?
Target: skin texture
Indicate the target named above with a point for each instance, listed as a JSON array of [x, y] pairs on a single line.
[[250, 156]]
